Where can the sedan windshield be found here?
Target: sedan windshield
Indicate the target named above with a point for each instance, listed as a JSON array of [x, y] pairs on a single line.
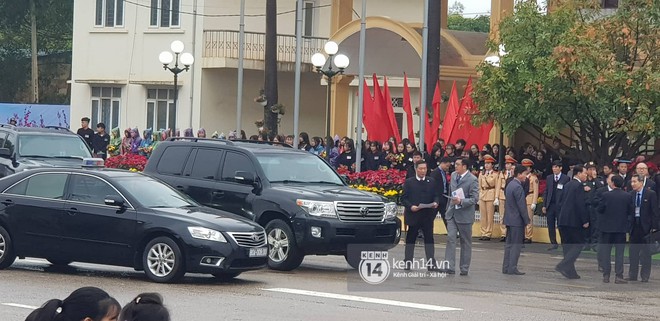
[[297, 168], [151, 193], [55, 146]]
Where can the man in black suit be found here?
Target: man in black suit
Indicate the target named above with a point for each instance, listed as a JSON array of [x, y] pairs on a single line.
[[643, 170], [421, 200], [554, 187], [622, 169], [645, 221], [615, 212], [515, 220], [573, 219], [442, 185]]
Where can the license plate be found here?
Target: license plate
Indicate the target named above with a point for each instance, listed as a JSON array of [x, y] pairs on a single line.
[[259, 252]]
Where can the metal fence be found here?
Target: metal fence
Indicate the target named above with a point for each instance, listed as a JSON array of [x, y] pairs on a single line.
[[224, 44]]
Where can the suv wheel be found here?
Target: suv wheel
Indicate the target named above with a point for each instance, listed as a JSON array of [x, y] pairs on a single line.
[[353, 260], [163, 260], [283, 252], [7, 256], [226, 276]]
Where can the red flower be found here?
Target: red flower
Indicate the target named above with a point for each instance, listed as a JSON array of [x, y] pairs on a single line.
[[127, 161]]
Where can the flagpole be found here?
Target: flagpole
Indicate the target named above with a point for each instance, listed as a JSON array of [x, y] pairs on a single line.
[[422, 86], [241, 54], [296, 95], [363, 35]]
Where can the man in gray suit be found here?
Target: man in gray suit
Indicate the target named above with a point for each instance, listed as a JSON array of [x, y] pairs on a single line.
[[515, 220], [460, 215]]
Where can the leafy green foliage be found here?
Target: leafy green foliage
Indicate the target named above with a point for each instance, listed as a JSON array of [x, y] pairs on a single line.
[[54, 35], [576, 69], [478, 24]]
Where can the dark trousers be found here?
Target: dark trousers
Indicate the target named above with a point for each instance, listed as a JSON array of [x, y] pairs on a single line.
[[572, 243], [551, 216], [639, 253], [411, 237], [607, 241], [592, 234], [515, 235]]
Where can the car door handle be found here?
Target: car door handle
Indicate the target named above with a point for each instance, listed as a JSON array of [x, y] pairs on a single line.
[[181, 188], [7, 202], [72, 211], [218, 194]]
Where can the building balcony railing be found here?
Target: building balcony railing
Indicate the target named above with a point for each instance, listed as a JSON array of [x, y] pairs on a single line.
[[224, 44]]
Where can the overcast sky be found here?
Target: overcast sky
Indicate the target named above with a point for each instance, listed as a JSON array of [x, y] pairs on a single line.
[[477, 7]]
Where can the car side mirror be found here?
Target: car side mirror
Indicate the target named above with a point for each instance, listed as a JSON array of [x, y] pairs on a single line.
[[114, 200], [246, 178], [5, 153]]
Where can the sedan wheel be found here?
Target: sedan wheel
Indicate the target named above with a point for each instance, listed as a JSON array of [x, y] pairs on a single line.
[[163, 260], [7, 256], [283, 252]]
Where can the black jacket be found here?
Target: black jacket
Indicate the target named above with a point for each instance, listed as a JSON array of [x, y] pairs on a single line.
[[615, 211], [419, 192], [373, 161], [87, 135], [100, 144], [441, 189], [347, 159], [550, 189], [649, 211], [573, 207]]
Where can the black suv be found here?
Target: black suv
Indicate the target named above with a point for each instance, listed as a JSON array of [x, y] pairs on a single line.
[[304, 205], [23, 148]]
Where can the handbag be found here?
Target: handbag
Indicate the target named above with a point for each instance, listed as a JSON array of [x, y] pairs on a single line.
[[654, 242]]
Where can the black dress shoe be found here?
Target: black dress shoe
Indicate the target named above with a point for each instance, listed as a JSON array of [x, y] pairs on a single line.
[[606, 279], [620, 281], [516, 272], [528, 241], [563, 272], [645, 280], [503, 239], [486, 238], [553, 247], [574, 277], [464, 273]]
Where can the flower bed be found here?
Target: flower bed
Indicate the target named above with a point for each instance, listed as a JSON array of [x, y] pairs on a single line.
[[131, 162], [388, 183]]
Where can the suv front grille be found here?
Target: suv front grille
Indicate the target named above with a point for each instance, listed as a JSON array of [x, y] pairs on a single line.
[[360, 211], [254, 239]]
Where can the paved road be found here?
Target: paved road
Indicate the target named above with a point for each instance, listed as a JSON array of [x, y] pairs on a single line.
[[319, 290]]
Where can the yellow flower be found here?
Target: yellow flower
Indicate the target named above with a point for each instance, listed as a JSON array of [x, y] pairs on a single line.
[[133, 170]]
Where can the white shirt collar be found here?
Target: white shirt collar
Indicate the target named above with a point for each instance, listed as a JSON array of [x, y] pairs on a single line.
[[577, 179], [609, 189], [420, 178]]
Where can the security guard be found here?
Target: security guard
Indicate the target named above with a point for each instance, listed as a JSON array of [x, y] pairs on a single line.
[[593, 183], [487, 186], [503, 179], [531, 188]]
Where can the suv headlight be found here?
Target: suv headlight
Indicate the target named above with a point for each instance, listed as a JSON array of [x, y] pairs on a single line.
[[318, 208], [390, 210], [203, 233]]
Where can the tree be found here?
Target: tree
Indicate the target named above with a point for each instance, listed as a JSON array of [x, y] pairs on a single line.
[[270, 69], [54, 31], [575, 70], [477, 24], [457, 8]]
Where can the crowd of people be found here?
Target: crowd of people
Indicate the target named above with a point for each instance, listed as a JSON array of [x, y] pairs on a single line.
[[594, 209], [91, 303]]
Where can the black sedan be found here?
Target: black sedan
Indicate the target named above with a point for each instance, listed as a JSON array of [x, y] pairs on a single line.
[[122, 218]]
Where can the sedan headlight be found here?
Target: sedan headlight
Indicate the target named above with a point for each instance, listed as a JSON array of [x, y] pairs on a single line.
[[318, 208], [203, 233], [390, 210]]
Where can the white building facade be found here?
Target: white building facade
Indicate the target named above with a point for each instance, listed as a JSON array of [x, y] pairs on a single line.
[[117, 78]]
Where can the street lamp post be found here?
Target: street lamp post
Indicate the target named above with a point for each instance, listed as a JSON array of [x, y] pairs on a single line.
[[319, 61], [186, 59]]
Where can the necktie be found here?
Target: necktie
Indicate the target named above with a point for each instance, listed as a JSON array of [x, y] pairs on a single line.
[[556, 178], [639, 199], [458, 180]]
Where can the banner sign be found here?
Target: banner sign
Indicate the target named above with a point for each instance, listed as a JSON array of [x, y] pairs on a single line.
[[35, 115]]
